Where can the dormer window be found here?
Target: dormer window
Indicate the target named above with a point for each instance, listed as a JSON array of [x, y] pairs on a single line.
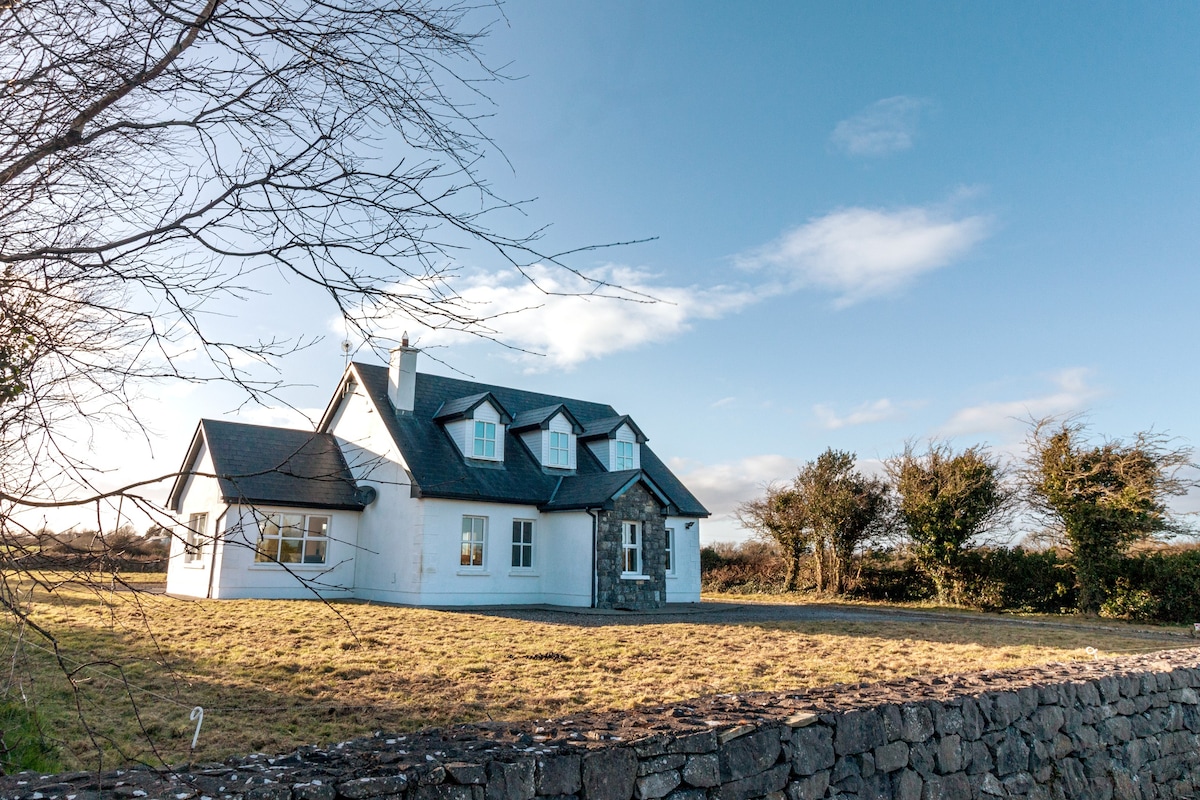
[[550, 433], [624, 456], [476, 424], [616, 442], [485, 439]]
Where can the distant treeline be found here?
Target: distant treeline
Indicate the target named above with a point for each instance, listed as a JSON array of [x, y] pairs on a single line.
[[1157, 585]]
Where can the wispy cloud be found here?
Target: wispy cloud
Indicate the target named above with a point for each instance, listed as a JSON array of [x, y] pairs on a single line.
[[860, 253], [720, 487], [557, 320], [876, 411], [1071, 392], [724, 401], [882, 128]]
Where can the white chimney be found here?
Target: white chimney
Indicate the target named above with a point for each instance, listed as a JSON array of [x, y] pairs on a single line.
[[402, 376]]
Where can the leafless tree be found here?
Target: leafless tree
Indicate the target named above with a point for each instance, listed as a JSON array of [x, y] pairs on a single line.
[[160, 159]]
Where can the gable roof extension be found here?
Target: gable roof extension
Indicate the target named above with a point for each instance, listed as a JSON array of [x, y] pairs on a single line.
[[462, 407], [607, 428], [438, 469], [255, 464]]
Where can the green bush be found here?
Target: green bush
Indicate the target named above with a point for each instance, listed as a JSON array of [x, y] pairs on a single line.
[[1016, 579], [22, 745], [891, 577], [1162, 586]]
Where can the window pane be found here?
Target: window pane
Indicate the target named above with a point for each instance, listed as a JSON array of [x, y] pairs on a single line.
[[318, 526], [314, 552], [464, 558], [270, 525], [291, 525], [289, 551]]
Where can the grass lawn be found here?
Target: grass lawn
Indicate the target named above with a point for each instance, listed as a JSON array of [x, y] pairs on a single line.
[[274, 674]]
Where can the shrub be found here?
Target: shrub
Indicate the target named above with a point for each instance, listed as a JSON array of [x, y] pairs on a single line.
[[892, 577], [1016, 579], [751, 566], [1162, 585]]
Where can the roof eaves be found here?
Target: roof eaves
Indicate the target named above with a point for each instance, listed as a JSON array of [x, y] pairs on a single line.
[[185, 471]]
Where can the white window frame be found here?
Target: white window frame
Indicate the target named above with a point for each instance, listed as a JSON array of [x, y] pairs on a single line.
[[559, 456], [622, 460], [670, 556], [482, 440], [193, 539], [523, 547], [632, 539], [313, 539], [472, 553]]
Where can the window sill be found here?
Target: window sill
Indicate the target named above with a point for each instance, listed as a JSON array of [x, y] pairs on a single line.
[[475, 573], [671, 577], [630, 576], [194, 565], [288, 567], [524, 573]]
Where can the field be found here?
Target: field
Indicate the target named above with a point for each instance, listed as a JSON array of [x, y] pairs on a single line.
[[272, 675]]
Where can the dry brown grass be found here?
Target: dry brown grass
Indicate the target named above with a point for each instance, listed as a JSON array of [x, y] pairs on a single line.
[[275, 674]]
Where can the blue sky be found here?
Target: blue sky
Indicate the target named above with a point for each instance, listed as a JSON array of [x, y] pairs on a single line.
[[871, 222]]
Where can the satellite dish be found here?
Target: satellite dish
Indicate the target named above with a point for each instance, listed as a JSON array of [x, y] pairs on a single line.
[[345, 347]]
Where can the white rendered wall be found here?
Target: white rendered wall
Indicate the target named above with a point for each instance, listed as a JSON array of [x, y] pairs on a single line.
[[388, 560], [683, 585], [201, 495], [561, 573], [240, 577]]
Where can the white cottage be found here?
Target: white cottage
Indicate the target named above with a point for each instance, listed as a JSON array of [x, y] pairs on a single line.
[[433, 491]]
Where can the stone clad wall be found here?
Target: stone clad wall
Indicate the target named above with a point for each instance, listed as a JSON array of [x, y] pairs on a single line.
[[613, 591], [1116, 728]]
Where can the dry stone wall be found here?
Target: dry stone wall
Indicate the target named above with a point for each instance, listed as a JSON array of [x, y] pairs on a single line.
[[1111, 728]]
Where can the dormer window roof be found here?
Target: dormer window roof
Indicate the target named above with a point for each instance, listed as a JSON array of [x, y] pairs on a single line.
[[607, 429], [541, 417], [464, 408]]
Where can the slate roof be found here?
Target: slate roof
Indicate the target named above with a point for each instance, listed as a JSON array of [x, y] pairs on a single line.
[[461, 406], [607, 428], [540, 418], [439, 470], [598, 491], [274, 466]]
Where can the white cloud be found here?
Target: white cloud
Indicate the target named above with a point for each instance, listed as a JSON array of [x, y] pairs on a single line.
[[863, 252], [720, 487], [568, 321], [1071, 393], [724, 401], [876, 411], [882, 128]]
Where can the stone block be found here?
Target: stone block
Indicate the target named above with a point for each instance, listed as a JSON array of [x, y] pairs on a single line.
[[313, 791], [977, 757], [467, 774], [989, 784], [949, 754], [1012, 755], [891, 757], [701, 770], [274, 791], [649, 746], [812, 750], [918, 723], [812, 787], [1006, 709], [662, 763], [1047, 721], [773, 780], [1072, 778], [750, 754], [858, 732], [656, 785], [559, 774], [360, 788], [972, 720], [876, 787], [511, 781], [893, 722], [1019, 783], [947, 787], [442, 791], [688, 794], [908, 786], [947, 721], [609, 774], [701, 742]]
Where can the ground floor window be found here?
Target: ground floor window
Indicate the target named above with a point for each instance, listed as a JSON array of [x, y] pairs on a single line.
[[193, 537], [292, 539], [522, 544], [631, 548], [474, 537], [669, 551]]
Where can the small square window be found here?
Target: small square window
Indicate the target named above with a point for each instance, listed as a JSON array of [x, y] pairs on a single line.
[[485, 439], [522, 544]]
